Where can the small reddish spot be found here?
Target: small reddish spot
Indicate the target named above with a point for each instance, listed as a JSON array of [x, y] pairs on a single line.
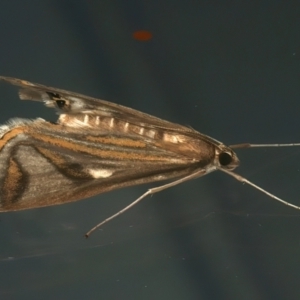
[[142, 35]]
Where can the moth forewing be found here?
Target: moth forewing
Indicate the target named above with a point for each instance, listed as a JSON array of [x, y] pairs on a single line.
[[70, 102], [98, 146], [85, 154], [44, 164]]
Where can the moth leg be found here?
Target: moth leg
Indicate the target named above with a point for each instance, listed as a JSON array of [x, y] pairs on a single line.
[[149, 192]]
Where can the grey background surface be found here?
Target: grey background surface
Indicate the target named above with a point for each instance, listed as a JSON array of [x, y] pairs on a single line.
[[229, 69]]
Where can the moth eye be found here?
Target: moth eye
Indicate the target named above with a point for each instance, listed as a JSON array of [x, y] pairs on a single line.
[[61, 103], [225, 159]]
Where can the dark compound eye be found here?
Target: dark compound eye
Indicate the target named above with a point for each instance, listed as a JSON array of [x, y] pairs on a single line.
[[225, 159], [60, 103]]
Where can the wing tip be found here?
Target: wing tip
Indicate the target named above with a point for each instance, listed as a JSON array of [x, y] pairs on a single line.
[[16, 81]]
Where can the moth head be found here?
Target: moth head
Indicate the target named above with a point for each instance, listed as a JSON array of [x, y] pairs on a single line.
[[226, 158]]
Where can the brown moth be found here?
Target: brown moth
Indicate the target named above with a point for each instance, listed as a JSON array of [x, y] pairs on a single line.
[[98, 146]]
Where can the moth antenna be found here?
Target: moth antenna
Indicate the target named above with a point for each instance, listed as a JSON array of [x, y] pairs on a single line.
[[247, 145], [149, 192], [244, 180]]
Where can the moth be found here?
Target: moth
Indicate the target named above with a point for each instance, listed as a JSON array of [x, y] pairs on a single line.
[[97, 146]]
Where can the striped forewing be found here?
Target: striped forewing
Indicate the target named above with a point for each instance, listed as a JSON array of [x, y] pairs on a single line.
[[95, 146]]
